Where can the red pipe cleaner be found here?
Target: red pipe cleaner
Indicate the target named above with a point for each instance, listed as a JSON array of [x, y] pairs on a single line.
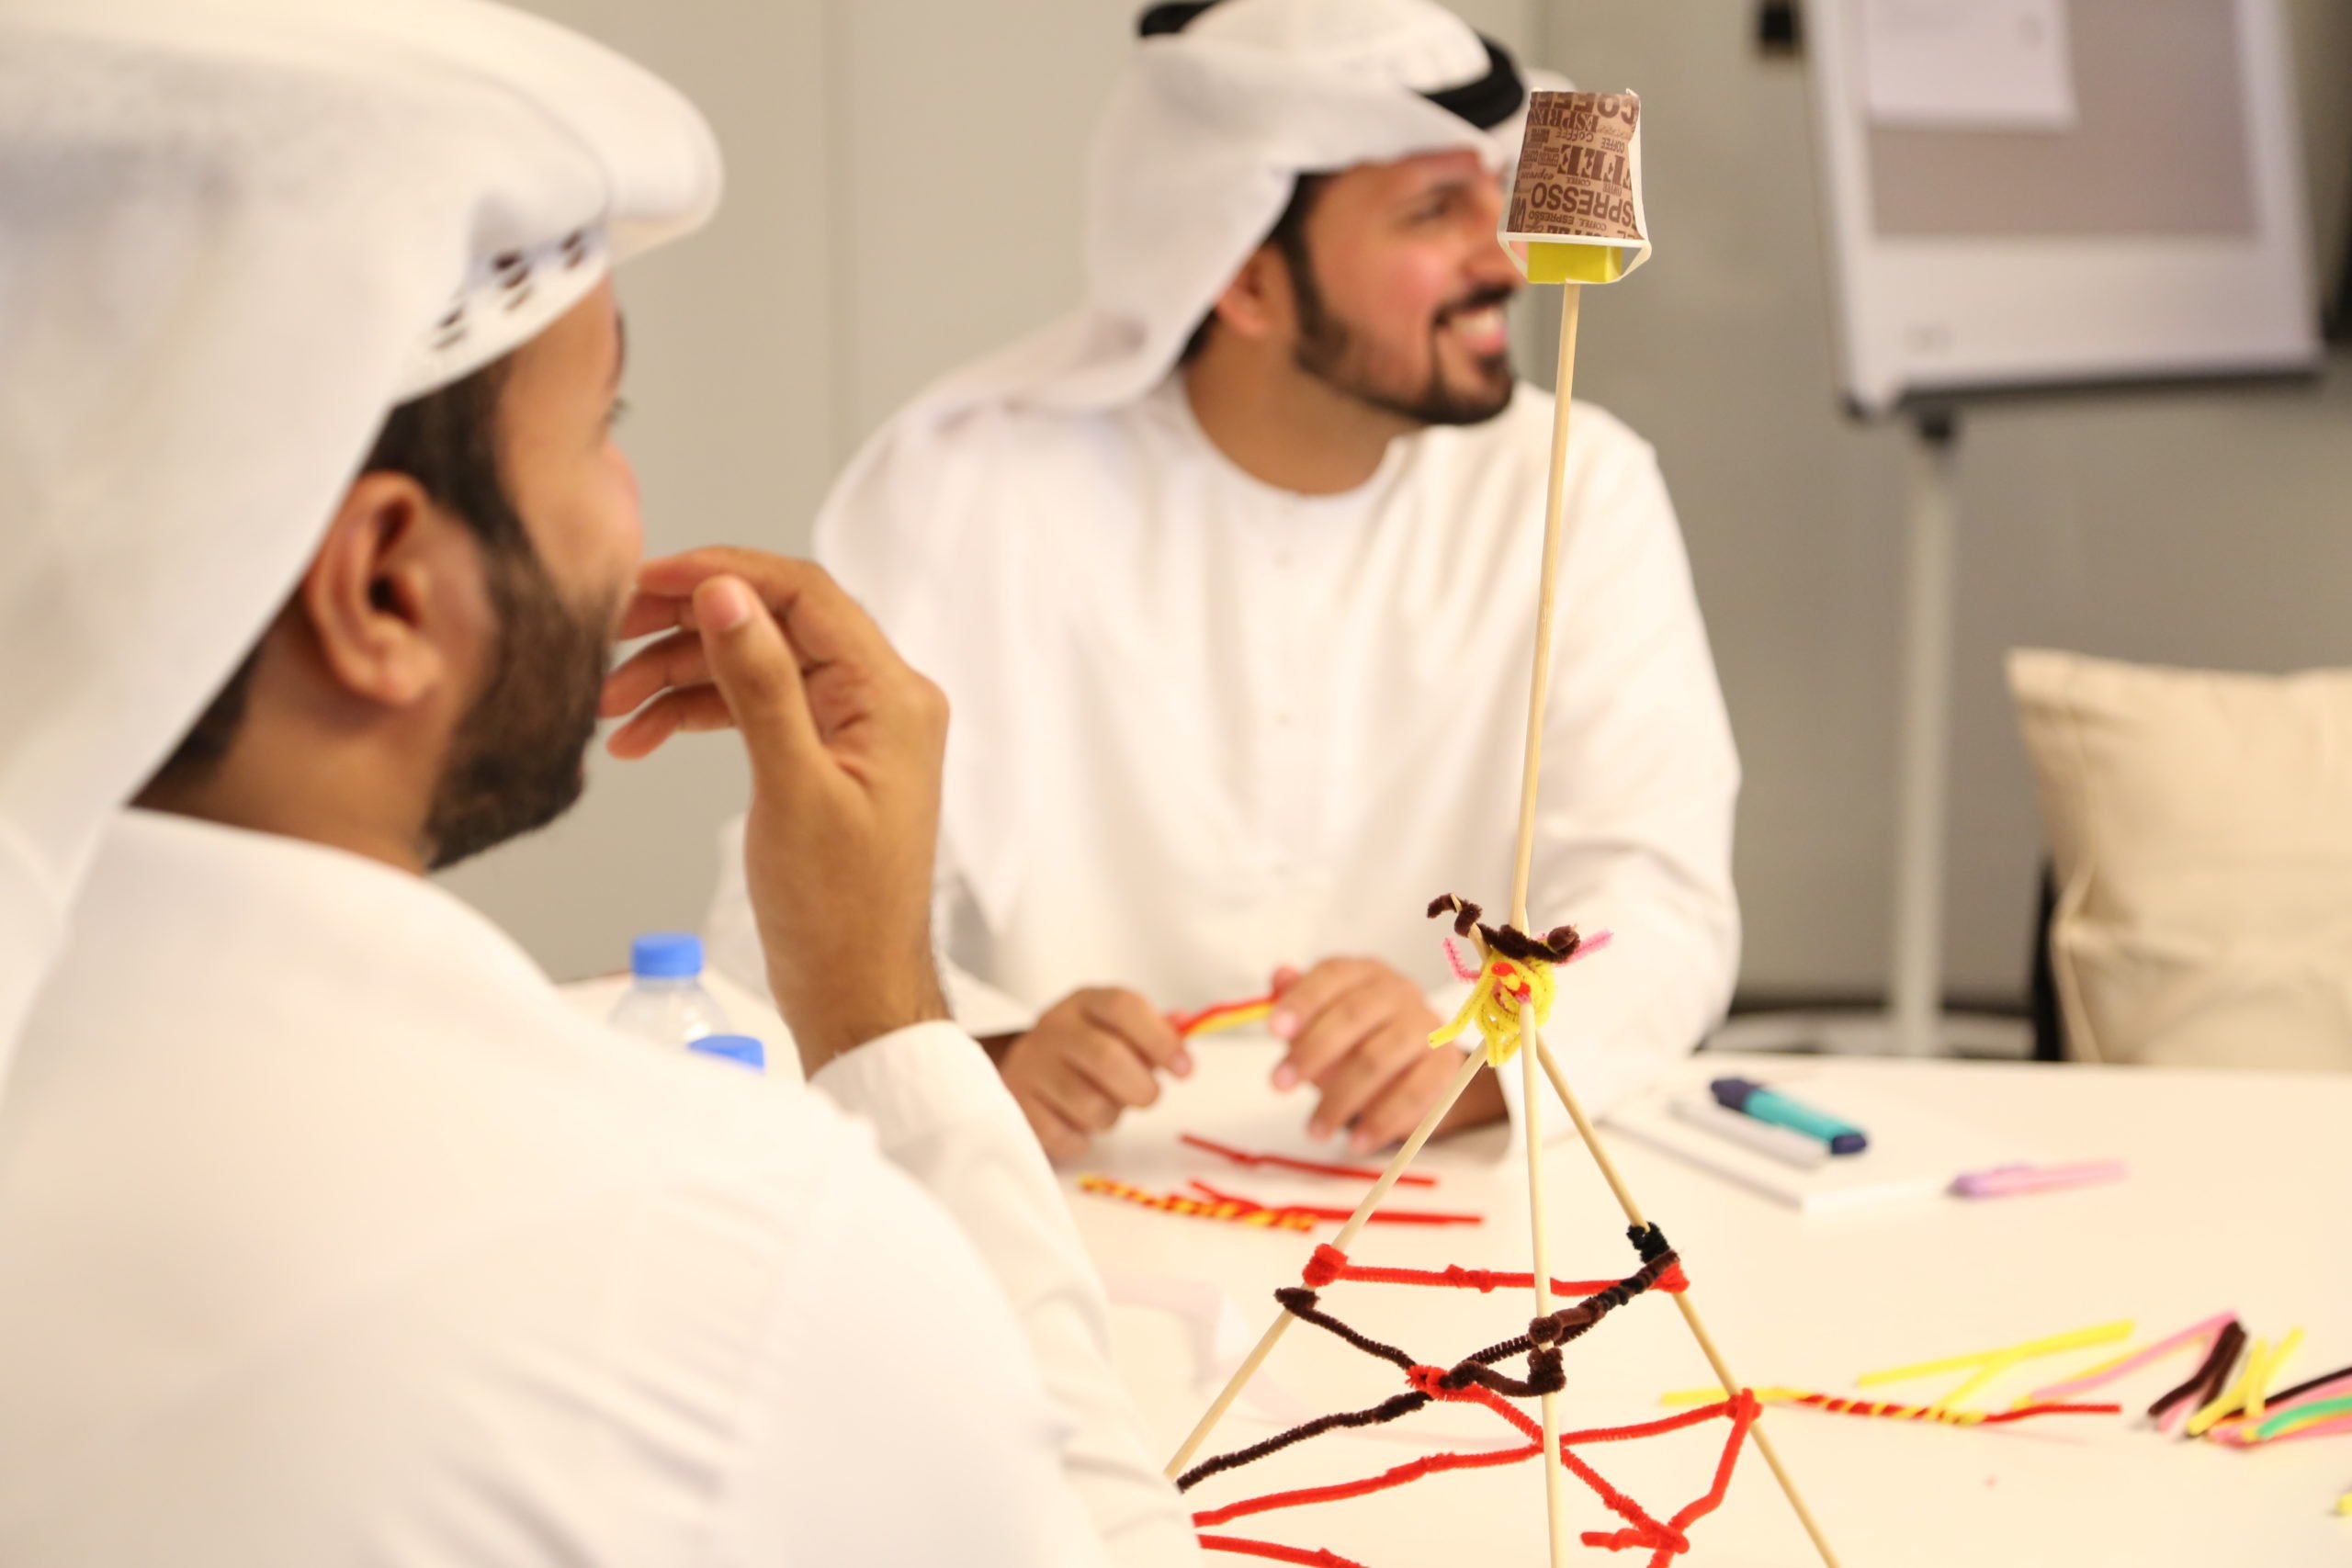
[[1475, 1380], [1311, 1168], [1342, 1491], [1743, 1410], [1329, 1265], [1278, 1553]]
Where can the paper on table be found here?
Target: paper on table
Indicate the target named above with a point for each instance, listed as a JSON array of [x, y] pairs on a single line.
[[1915, 1150], [1968, 64], [1213, 1330]]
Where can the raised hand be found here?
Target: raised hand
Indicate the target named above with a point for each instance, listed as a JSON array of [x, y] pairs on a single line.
[[845, 740]]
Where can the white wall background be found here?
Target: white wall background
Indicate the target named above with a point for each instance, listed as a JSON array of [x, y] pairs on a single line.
[[2211, 529]]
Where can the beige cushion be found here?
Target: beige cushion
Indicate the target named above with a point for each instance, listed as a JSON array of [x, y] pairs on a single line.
[[2201, 824]]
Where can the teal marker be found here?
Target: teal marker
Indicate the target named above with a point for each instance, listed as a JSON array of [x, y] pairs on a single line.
[[1765, 1105]]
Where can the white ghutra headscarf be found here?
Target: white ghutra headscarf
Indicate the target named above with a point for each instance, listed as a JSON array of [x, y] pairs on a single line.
[[234, 236], [1219, 111]]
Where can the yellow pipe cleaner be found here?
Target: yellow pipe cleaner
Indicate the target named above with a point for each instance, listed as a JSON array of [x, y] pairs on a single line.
[[2262, 1365], [1983, 1366], [1494, 1003]]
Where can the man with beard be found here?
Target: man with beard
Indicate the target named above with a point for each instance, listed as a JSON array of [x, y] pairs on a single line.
[[329, 1233], [1230, 577]]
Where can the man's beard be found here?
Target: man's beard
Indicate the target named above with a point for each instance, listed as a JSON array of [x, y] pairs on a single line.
[[1327, 351], [518, 760]]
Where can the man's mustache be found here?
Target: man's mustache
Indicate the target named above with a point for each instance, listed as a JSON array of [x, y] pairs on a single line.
[[1494, 294]]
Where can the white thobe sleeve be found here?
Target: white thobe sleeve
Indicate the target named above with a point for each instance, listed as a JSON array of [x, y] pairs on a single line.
[[1633, 817], [947, 1121], [936, 1444]]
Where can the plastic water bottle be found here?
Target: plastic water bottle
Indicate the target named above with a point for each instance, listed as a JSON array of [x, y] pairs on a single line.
[[665, 1002], [733, 1048]]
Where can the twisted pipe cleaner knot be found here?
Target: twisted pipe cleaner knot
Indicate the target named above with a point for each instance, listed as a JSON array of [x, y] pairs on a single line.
[[1547, 1371], [1430, 1381], [1482, 1281], [1325, 1264]]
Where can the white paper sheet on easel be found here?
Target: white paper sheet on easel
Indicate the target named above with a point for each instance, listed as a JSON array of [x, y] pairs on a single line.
[[1968, 64]]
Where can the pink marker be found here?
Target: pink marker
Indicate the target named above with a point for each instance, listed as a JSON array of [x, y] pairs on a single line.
[[2008, 1180]]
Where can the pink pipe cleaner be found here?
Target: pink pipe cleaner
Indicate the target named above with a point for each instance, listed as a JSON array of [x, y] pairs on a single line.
[[2101, 1376]]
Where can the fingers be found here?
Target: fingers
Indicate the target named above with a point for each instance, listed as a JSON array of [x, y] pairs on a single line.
[[1392, 1113], [674, 713], [1141, 1025], [677, 576], [1079, 1064], [758, 673], [1096, 1037], [1061, 1140], [1356, 1079], [823, 621], [1359, 1032], [1306, 995], [848, 672], [1073, 1096], [1102, 1062], [1331, 1010], [650, 612], [671, 663]]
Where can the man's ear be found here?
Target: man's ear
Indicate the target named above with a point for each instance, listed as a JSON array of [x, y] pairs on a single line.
[[1260, 301], [393, 593]]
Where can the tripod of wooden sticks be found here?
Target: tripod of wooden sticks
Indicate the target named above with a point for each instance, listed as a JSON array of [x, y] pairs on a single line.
[[1533, 1055]]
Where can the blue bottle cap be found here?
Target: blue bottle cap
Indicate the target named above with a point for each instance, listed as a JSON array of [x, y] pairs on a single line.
[[734, 1047], [666, 955]]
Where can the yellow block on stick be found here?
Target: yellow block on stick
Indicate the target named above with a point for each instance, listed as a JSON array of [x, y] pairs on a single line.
[[1573, 263]]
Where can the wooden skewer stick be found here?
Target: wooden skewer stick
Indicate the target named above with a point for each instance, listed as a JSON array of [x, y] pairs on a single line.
[[1523, 866], [1248, 1368], [1683, 1300], [1555, 1504], [1539, 684], [1532, 1044]]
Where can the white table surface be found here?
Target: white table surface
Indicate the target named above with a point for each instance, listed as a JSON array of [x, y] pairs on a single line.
[[2238, 1191]]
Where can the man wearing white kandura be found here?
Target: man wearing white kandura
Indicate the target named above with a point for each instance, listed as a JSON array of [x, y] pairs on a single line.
[[1230, 576], [329, 1233]]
